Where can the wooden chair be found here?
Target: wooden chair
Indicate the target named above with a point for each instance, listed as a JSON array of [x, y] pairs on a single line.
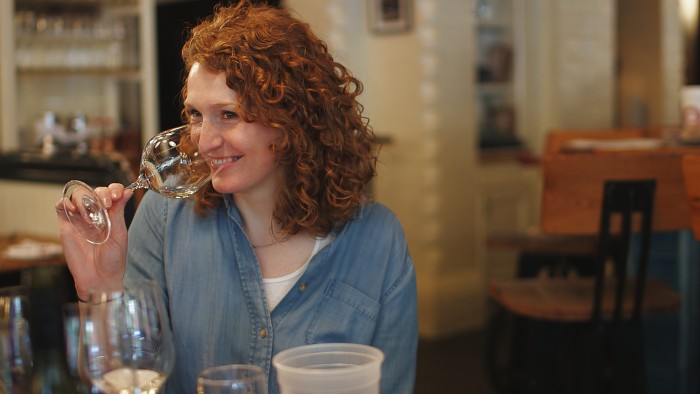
[[557, 253], [602, 312], [539, 252], [691, 177]]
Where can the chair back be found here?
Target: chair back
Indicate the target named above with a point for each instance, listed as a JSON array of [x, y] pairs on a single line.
[[691, 179], [624, 198]]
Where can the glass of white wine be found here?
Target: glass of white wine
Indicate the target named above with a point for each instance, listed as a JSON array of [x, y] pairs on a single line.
[[170, 165], [127, 341]]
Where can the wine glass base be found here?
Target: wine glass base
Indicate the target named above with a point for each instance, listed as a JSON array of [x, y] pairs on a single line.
[[85, 211]]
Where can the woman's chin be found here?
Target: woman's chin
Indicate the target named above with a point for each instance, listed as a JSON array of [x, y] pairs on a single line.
[[222, 186]]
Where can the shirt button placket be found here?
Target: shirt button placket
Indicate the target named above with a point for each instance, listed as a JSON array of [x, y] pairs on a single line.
[[263, 333]]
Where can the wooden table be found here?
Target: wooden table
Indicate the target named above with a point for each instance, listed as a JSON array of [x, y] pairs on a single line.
[[9, 265], [573, 187]]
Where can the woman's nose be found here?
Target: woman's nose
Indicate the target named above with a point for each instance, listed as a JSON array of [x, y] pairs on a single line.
[[209, 137]]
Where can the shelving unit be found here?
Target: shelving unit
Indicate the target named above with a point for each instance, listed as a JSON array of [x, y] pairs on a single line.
[[86, 61]]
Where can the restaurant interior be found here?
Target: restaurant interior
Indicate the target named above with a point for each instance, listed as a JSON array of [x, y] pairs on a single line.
[[499, 123]]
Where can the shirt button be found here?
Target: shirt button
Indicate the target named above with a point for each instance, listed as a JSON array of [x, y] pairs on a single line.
[[263, 333], [302, 287]]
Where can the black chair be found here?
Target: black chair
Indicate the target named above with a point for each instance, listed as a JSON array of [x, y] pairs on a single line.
[[583, 334]]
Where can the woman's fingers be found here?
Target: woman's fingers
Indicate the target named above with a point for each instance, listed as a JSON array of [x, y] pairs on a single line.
[[81, 203], [105, 195]]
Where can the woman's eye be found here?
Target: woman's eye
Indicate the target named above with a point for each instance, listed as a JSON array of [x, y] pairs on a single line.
[[194, 114], [230, 115]]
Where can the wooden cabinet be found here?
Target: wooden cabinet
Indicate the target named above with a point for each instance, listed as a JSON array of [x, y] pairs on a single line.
[[78, 70]]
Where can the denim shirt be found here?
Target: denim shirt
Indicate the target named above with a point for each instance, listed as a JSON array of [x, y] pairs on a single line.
[[360, 288]]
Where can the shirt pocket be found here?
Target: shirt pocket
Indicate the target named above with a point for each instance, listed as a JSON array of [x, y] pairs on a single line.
[[344, 315]]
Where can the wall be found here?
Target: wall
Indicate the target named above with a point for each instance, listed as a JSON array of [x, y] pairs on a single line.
[[650, 62], [638, 94], [28, 208]]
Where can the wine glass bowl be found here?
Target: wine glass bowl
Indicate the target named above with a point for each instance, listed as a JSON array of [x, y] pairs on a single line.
[[170, 165], [127, 342]]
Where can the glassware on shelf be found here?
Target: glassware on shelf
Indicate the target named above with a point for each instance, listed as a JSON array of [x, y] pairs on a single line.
[[70, 40]]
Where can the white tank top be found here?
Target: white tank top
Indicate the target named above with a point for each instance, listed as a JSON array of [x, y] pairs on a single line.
[[277, 288]]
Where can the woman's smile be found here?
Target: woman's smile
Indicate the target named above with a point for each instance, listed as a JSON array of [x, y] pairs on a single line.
[[218, 162]]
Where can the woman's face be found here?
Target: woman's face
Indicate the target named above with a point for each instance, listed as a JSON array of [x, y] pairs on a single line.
[[239, 153]]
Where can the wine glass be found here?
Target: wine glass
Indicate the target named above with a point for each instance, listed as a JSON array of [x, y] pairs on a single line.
[[16, 361], [170, 164], [127, 342], [232, 379]]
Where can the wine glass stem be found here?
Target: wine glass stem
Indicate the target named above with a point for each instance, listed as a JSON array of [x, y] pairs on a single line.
[[139, 183]]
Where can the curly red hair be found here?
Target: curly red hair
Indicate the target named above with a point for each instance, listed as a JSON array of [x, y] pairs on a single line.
[[284, 72]]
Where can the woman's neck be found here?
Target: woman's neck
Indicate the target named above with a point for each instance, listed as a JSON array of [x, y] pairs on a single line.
[[256, 212]]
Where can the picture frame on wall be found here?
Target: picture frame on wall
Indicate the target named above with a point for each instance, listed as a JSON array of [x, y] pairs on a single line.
[[389, 16]]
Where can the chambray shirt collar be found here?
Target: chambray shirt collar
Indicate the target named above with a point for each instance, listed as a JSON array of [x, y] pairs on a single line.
[[235, 215]]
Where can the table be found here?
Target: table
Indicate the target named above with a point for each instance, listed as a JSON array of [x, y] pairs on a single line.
[[50, 287], [11, 265]]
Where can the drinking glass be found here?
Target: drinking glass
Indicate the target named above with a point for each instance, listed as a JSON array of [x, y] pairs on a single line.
[[16, 360], [170, 165], [127, 342], [232, 379], [71, 336], [329, 368]]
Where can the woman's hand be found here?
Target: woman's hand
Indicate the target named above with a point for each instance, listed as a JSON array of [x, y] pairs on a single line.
[[97, 266]]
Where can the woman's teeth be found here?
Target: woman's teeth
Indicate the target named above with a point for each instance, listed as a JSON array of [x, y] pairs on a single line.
[[225, 160]]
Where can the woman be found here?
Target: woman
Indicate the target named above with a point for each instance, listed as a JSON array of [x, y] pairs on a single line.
[[282, 248]]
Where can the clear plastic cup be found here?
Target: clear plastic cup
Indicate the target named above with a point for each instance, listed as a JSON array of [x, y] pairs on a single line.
[[337, 368]]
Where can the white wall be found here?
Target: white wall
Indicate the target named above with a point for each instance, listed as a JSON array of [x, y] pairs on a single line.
[[28, 208]]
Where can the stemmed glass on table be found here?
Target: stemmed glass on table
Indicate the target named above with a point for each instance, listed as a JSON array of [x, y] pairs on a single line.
[[127, 342], [170, 164]]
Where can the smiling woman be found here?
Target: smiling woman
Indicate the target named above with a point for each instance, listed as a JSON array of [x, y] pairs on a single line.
[[283, 247]]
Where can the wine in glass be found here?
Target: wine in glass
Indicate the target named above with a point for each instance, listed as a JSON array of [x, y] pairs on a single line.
[[127, 341], [170, 164]]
